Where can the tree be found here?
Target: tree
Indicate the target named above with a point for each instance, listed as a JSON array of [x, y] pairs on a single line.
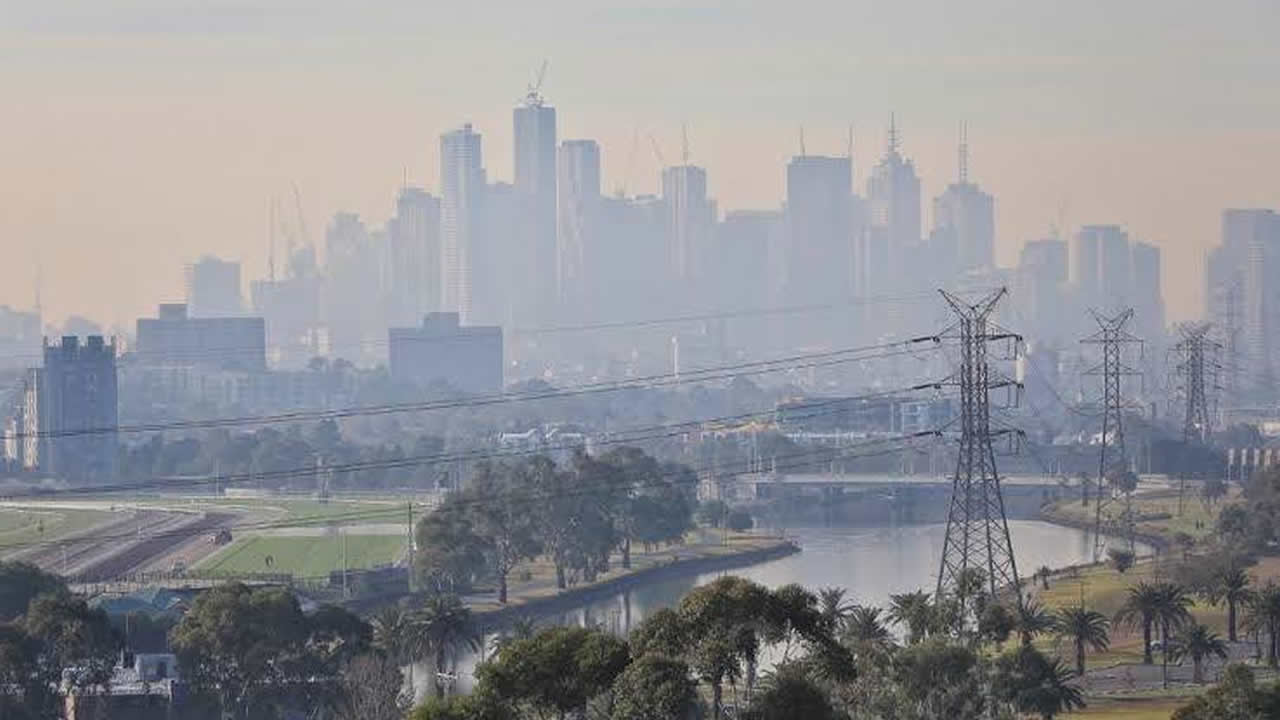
[[1213, 490], [234, 643], [654, 687], [713, 513], [20, 583], [1236, 697], [863, 626], [1044, 573], [1033, 619], [939, 679], [1084, 628], [77, 645], [1197, 641], [913, 611], [1121, 560], [557, 671], [1264, 611], [444, 627], [1033, 683], [1139, 611], [833, 607], [506, 531], [739, 521], [790, 693], [27, 686], [1171, 614], [996, 623], [1230, 585], [371, 688]]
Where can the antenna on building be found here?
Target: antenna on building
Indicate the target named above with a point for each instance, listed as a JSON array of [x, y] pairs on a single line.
[[849, 151], [964, 153], [39, 287], [684, 144], [271, 240], [802, 153], [893, 134]]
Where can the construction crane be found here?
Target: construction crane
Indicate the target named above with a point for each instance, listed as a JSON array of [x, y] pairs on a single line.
[[657, 152], [533, 97]]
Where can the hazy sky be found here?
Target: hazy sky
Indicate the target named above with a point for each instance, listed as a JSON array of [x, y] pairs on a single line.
[[138, 134]]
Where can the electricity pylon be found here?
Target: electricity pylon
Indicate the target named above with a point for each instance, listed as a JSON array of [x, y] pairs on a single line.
[[977, 536], [1197, 369], [1113, 462]]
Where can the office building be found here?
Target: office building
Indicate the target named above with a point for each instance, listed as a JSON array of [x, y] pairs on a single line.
[[213, 288], [819, 260], [73, 402], [964, 217], [442, 351], [173, 338], [579, 202], [462, 186], [534, 246], [893, 198], [1041, 290], [1243, 300], [414, 256], [690, 218]]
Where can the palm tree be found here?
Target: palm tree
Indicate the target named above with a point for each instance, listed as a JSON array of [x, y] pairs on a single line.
[[1264, 613], [445, 626], [833, 607], [1198, 642], [1171, 614], [1230, 585], [393, 634], [863, 625], [1084, 628], [1139, 611], [1033, 619], [914, 611], [1057, 693]]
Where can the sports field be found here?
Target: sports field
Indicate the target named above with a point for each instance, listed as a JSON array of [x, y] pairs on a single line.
[[304, 556]]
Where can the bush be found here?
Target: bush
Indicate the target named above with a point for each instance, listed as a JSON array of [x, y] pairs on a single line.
[[1121, 560], [740, 520]]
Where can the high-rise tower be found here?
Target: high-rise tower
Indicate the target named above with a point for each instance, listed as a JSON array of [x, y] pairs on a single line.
[[534, 288], [579, 201], [964, 222], [462, 186]]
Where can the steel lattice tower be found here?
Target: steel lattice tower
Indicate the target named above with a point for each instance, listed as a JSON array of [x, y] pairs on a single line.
[[977, 530], [1113, 461], [1197, 372]]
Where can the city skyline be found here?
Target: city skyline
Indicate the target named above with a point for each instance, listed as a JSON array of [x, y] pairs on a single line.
[[1098, 136]]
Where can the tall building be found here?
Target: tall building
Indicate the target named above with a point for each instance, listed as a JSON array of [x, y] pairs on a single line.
[[441, 350], [1041, 290], [1146, 298], [213, 288], [353, 289], [579, 207], [1243, 300], [174, 339], [690, 220], [535, 192], [819, 259], [414, 262], [964, 219], [76, 410], [893, 198], [1102, 269], [462, 186], [20, 337]]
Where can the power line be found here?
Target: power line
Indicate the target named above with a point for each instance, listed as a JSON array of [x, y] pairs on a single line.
[[699, 375], [634, 435], [394, 512]]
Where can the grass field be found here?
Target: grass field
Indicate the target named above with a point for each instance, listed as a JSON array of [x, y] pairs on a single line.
[[303, 509], [1150, 709], [309, 557], [20, 526]]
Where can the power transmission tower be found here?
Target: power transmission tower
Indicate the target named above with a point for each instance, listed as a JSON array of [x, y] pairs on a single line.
[[1197, 369], [1113, 461], [977, 530]]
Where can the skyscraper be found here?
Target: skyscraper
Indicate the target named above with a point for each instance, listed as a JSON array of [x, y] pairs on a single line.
[[819, 260], [964, 218], [1243, 299], [213, 288], [535, 196], [414, 263], [462, 186], [1041, 289], [1147, 298], [1101, 268], [690, 218], [893, 196], [579, 200]]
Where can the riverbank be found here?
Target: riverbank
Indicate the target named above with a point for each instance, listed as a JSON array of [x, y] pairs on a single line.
[[688, 560]]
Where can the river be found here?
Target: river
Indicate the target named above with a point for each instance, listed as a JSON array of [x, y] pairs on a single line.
[[870, 562]]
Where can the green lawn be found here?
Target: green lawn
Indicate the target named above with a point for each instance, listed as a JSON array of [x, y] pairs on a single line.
[[306, 557], [21, 526], [1154, 709]]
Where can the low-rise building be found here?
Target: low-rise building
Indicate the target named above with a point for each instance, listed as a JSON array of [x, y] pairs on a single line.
[[467, 358]]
